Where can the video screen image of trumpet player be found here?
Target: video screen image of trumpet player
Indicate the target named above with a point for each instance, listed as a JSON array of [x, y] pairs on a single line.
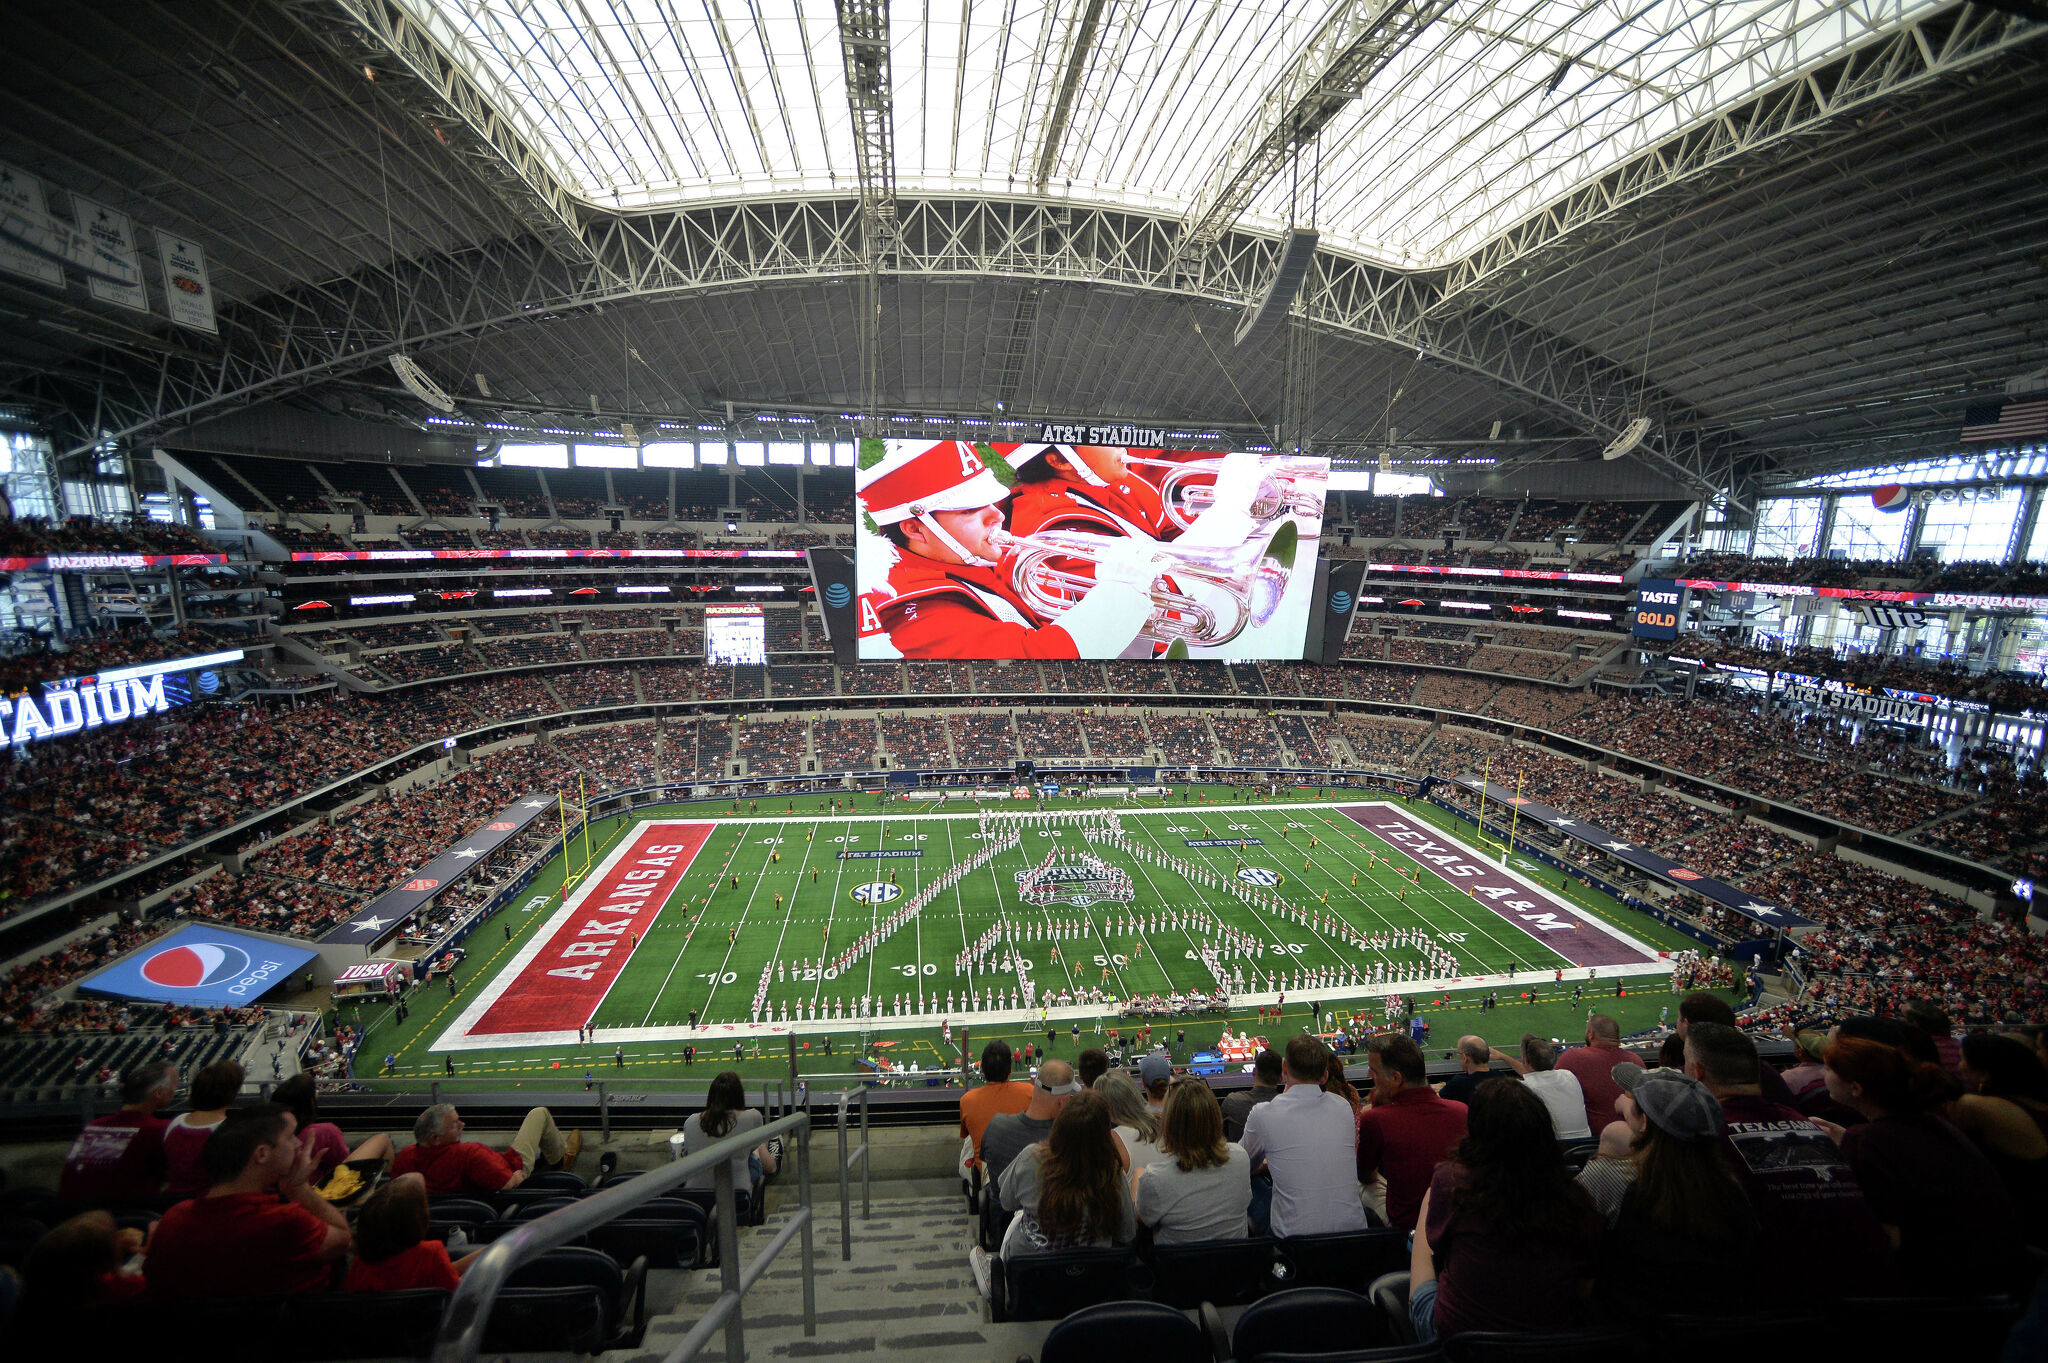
[[969, 549]]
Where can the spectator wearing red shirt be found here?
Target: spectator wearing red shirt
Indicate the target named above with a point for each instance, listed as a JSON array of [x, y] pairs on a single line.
[[393, 1251], [1593, 1064], [261, 1227], [450, 1164], [121, 1155], [1405, 1129], [213, 1088]]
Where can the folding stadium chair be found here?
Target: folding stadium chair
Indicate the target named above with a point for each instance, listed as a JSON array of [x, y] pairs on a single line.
[[345, 1325], [1225, 1272], [1300, 1320], [1347, 1259], [1111, 1328], [1054, 1286], [557, 1181], [619, 1290]]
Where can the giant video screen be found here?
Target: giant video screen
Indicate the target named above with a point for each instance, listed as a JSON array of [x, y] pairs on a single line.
[[973, 550]]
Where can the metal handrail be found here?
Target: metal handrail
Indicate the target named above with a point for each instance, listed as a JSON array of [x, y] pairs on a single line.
[[469, 1310], [846, 1163]]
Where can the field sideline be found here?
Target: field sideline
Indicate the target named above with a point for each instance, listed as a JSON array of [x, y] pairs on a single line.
[[705, 946]]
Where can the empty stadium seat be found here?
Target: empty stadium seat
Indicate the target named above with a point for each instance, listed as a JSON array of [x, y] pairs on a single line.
[[619, 1292], [1113, 1328], [1564, 1346], [344, 1325], [1347, 1259], [1305, 1320]]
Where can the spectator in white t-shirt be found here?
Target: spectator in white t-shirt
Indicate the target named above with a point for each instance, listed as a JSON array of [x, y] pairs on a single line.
[[1137, 1124], [1559, 1089]]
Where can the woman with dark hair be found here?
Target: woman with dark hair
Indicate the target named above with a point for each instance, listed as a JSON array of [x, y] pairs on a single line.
[[1074, 1189], [213, 1088], [1684, 1210], [1335, 1082], [330, 1148], [1941, 1202], [392, 1251], [1505, 1239], [726, 1114], [2004, 1111]]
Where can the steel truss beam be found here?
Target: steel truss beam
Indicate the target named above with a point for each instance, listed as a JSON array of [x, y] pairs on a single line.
[[297, 340], [383, 30], [1332, 68], [1785, 122]]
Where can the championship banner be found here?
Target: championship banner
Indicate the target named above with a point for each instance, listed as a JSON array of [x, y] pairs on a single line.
[[188, 288], [1340, 608], [21, 198], [370, 922], [1727, 896], [113, 233], [202, 967], [832, 575]]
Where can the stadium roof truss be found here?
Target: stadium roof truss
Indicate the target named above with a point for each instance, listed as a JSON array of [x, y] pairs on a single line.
[[657, 148]]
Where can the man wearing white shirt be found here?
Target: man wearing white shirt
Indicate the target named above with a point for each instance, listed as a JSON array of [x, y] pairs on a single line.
[[1559, 1089], [1308, 1140]]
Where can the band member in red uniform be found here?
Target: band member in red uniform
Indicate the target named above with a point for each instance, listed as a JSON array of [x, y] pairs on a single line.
[[1089, 488], [949, 592]]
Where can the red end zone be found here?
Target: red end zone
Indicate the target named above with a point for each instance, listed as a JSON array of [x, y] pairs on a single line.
[[562, 985]]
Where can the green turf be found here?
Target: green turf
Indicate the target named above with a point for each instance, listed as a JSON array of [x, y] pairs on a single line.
[[662, 982]]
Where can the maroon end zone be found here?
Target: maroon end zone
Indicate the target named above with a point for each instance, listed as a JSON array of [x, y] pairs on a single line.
[[1536, 912]]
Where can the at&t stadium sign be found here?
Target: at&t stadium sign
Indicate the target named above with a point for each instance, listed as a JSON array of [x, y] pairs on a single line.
[[112, 697]]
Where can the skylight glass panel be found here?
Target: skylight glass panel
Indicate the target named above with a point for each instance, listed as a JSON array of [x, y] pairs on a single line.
[[1496, 111]]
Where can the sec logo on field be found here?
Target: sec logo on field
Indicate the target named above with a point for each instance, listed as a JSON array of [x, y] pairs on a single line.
[[877, 892], [1259, 875]]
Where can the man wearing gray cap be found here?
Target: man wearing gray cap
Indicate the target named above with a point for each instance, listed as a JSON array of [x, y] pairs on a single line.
[[1009, 1134], [1155, 1072]]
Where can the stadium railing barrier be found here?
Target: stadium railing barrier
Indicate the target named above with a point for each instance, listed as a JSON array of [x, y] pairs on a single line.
[[846, 1163], [469, 1310]]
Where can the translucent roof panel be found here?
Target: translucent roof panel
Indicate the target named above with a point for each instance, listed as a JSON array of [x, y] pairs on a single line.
[[1494, 111]]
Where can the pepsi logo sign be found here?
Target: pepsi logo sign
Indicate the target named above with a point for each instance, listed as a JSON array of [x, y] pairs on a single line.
[[837, 594], [196, 965], [422, 885]]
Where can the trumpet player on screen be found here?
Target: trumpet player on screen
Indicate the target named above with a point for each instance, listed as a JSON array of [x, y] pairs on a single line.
[[949, 591]]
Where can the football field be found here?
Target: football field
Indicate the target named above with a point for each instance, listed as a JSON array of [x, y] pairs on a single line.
[[890, 918]]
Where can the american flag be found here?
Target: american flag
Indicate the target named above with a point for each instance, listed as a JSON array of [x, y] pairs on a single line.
[[2000, 421]]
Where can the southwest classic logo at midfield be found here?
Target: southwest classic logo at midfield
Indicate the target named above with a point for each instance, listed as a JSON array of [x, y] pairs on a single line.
[[876, 892], [196, 965], [837, 594], [1259, 875]]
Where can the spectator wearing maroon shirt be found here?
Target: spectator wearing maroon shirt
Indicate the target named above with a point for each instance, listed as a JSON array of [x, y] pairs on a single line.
[[121, 1155], [260, 1228], [1941, 1203], [1405, 1129], [213, 1088], [1593, 1065], [1810, 1208], [453, 1165], [393, 1251], [1506, 1239]]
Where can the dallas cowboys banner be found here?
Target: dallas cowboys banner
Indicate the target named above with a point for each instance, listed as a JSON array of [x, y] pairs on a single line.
[[1727, 896], [388, 910]]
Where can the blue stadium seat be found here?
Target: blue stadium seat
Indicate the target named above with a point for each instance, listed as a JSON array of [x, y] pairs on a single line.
[[1224, 1272], [1564, 1346], [1053, 1286], [618, 1290], [1347, 1259], [345, 1325], [1308, 1320]]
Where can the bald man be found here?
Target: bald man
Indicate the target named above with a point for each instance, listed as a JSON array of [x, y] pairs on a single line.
[[1594, 1064], [1475, 1063], [1007, 1135]]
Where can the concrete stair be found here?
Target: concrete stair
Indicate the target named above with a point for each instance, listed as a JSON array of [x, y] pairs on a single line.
[[907, 1294]]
